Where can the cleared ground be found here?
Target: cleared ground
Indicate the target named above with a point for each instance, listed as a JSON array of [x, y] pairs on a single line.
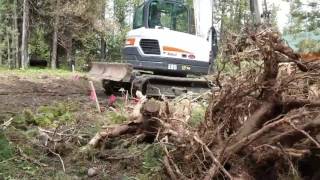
[[52, 115]]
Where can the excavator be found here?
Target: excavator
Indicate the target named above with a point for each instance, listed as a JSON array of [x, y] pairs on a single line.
[[169, 51]]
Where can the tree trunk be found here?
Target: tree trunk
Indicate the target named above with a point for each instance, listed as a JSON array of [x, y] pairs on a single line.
[[16, 35], [55, 38], [255, 11], [69, 56], [103, 49], [240, 14], [102, 41], [1, 61], [25, 31], [222, 23], [8, 50], [14, 52], [232, 26], [69, 53]]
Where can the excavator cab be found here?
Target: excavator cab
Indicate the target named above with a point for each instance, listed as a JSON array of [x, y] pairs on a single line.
[[174, 15], [154, 19]]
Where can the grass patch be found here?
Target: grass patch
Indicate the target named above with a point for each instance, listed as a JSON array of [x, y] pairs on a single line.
[[119, 116], [197, 115], [152, 161], [36, 72], [6, 150], [18, 169], [11, 166], [116, 117], [17, 166], [47, 116]]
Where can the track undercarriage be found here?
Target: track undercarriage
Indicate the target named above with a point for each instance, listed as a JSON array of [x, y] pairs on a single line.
[[117, 77]]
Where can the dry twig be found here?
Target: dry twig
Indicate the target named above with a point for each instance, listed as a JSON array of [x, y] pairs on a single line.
[[61, 160]]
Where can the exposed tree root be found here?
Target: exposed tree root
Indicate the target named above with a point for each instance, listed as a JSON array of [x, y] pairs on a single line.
[[260, 119]]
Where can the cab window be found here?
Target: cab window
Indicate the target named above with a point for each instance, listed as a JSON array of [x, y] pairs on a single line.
[[138, 20], [168, 14]]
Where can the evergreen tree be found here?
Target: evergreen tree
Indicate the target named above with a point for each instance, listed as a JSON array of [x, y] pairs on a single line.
[[9, 33], [303, 29], [303, 17]]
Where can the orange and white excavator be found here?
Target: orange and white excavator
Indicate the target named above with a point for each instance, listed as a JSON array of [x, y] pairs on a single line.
[[169, 49]]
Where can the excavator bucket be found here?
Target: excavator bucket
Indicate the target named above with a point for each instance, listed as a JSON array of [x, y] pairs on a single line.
[[111, 71]]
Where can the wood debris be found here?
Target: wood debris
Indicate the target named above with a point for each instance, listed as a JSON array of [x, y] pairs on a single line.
[[259, 123]]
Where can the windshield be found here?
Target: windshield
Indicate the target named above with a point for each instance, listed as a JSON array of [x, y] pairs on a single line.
[[168, 14]]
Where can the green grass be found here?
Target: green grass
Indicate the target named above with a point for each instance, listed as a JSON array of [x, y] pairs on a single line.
[[116, 117], [47, 116], [17, 169], [120, 116], [6, 151], [11, 165], [36, 72], [197, 115], [152, 160]]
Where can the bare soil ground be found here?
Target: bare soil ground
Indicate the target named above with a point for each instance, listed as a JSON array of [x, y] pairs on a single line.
[[17, 93], [25, 157]]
